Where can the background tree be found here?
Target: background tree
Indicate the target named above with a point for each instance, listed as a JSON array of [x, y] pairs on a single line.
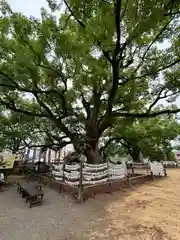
[[150, 138], [99, 61], [16, 130], [19, 131]]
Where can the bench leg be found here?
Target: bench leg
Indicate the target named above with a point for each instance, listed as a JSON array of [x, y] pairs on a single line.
[[34, 199], [30, 205], [41, 198], [19, 189], [23, 194]]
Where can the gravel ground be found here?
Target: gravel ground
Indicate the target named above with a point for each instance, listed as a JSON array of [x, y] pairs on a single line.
[[147, 212], [59, 217]]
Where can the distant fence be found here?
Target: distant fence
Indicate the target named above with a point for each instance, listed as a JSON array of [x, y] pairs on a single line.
[[137, 165], [171, 164]]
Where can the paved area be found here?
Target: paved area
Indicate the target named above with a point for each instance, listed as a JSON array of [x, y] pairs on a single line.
[[58, 218], [147, 212]]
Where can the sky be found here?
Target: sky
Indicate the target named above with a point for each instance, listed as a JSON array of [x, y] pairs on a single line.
[[28, 7]]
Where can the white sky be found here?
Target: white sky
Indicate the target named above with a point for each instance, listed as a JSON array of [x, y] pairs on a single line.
[[28, 7]]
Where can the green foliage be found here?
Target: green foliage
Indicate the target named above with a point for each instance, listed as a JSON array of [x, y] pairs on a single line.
[[98, 62], [16, 130], [151, 137]]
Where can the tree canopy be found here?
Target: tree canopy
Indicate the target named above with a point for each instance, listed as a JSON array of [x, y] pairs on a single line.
[[98, 62]]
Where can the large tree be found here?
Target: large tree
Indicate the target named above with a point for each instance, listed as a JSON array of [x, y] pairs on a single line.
[[98, 61]]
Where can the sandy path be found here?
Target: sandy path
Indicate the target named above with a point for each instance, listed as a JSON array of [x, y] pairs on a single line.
[[147, 212]]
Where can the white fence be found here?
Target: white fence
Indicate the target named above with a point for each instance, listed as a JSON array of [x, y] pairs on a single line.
[[98, 173], [157, 168], [92, 173], [117, 171], [72, 174], [95, 173]]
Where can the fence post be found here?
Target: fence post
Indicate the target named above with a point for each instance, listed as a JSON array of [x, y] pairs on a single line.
[[152, 175], [80, 189], [80, 194], [108, 170], [132, 169], [165, 172], [129, 181], [63, 169]]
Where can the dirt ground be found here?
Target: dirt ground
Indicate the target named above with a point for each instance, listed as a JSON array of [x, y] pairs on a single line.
[[147, 212]]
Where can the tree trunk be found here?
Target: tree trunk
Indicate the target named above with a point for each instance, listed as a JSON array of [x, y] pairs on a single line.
[[44, 156], [16, 145], [93, 155], [89, 144], [135, 154], [34, 154], [27, 154], [55, 155], [59, 155], [40, 155], [49, 155], [90, 150], [39, 160]]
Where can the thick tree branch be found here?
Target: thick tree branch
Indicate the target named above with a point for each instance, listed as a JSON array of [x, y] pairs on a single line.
[[156, 99], [12, 106], [5, 75], [117, 12], [40, 60], [52, 116], [36, 90], [172, 13], [54, 137], [96, 101], [46, 108], [116, 57], [54, 146], [152, 43], [86, 105], [146, 114], [157, 71], [74, 15], [159, 97]]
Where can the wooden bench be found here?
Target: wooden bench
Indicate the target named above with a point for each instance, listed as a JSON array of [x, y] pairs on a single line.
[[23, 185], [32, 192]]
